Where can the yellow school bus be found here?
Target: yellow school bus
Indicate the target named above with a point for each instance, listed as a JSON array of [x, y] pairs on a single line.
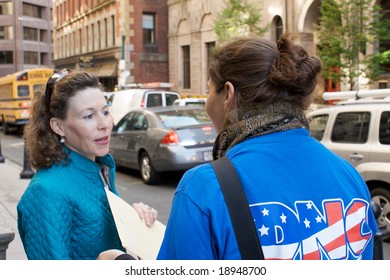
[[16, 93]]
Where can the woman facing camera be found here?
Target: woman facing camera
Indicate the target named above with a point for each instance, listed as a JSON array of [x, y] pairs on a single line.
[[64, 213]]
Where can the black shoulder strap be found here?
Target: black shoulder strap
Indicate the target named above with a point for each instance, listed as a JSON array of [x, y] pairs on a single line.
[[240, 215]]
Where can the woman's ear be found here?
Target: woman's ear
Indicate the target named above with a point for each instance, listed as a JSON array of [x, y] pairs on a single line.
[[229, 101], [57, 127]]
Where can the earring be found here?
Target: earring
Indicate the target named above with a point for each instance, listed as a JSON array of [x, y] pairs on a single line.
[[62, 140]]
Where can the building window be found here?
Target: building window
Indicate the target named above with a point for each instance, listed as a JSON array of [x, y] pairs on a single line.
[[99, 37], [32, 10], [74, 42], [6, 57], [86, 38], [30, 58], [6, 8], [113, 29], [93, 36], [80, 41], [105, 33], [186, 67], [6, 33], [148, 28], [30, 34]]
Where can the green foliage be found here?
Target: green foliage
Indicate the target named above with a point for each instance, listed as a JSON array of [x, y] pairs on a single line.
[[239, 18], [348, 28]]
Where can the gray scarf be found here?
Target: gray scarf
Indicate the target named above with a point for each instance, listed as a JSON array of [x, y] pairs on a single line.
[[257, 120]]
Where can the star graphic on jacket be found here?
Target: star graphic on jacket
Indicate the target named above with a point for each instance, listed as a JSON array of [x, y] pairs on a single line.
[[263, 230], [307, 223], [283, 218]]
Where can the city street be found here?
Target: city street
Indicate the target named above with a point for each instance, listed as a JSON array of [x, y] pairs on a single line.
[[129, 183]]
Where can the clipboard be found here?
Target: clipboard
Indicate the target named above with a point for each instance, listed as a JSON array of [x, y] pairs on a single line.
[[137, 238]]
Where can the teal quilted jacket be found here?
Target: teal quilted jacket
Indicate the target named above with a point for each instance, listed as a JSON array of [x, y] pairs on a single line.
[[64, 213]]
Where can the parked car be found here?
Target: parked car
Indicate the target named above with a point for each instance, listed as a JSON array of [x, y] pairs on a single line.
[[124, 100], [190, 101], [359, 131], [159, 139]]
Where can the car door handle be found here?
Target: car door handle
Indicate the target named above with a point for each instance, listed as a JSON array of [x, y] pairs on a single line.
[[356, 157]]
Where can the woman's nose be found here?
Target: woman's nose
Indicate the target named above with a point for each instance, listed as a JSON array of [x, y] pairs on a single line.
[[105, 122]]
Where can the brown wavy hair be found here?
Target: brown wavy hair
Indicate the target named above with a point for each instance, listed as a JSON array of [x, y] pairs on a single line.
[[265, 72], [42, 143]]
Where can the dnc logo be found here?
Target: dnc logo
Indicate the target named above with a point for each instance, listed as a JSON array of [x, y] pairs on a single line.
[[308, 234]]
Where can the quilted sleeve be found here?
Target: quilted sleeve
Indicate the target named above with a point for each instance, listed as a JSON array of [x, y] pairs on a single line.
[[44, 223]]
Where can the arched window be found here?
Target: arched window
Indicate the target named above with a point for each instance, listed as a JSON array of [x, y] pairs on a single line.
[[277, 28]]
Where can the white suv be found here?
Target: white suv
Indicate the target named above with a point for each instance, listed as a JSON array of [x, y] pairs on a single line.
[[359, 131]]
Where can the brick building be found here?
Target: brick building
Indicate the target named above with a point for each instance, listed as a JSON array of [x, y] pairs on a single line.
[[112, 38]]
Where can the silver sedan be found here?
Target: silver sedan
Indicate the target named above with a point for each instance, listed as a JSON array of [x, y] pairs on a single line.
[[160, 139]]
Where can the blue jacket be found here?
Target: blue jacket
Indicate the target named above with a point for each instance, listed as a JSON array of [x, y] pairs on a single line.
[[64, 213], [307, 203]]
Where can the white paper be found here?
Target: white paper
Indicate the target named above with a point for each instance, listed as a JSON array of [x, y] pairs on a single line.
[[136, 236]]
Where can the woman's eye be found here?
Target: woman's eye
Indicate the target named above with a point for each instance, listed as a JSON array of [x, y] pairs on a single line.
[[106, 113], [89, 116]]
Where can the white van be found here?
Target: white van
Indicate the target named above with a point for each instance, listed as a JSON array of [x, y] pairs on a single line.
[[190, 101], [121, 102]]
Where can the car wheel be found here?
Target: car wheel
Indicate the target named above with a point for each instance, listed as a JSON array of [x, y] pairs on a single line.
[[148, 174], [381, 196], [6, 128]]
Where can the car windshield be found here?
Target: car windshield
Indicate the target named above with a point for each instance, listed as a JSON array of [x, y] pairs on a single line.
[[170, 119]]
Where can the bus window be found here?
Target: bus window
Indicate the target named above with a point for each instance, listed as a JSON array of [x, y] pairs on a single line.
[[23, 91], [38, 89]]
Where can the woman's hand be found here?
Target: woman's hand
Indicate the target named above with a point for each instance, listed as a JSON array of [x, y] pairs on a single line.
[[146, 213], [111, 254]]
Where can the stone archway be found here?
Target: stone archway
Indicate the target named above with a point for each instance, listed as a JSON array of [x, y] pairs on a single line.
[[308, 21]]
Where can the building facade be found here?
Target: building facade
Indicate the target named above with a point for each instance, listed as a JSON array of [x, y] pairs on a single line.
[[192, 36], [121, 41], [25, 35]]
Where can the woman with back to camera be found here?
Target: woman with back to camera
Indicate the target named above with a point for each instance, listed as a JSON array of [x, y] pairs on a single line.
[[306, 202], [64, 212]]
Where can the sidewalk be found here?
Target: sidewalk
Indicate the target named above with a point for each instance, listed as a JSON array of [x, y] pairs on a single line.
[[11, 189]]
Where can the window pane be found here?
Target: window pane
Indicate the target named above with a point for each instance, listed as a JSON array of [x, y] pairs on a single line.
[[317, 126], [186, 67], [351, 127], [6, 32], [154, 99], [23, 91], [148, 21], [384, 129], [6, 57], [30, 57], [148, 29], [6, 8], [30, 34], [171, 119], [170, 98], [39, 89], [32, 10]]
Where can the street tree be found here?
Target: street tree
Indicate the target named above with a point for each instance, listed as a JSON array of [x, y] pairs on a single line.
[[239, 18], [349, 33]]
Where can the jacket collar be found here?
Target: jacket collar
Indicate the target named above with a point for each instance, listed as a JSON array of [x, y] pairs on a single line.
[[85, 164]]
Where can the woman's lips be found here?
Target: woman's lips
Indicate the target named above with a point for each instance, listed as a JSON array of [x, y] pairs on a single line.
[[103, 141]]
